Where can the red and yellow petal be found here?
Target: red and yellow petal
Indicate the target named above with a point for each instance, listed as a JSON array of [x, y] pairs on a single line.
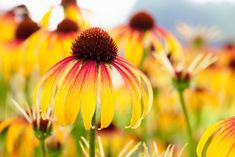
[[136, 97], [62, 93], [48, 83], [218, 140]]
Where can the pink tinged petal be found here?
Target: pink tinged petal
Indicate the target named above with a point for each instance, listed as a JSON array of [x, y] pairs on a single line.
[[63, 92], [73, 99], [48, 84], [107, 96], [89, 91], [136, 98], [147, 94]]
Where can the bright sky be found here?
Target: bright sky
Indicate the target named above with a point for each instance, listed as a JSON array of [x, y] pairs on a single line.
[[214, 1], [105, 12]]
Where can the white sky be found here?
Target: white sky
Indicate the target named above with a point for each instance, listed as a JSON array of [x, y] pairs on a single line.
[[106, 13], [214, 1]]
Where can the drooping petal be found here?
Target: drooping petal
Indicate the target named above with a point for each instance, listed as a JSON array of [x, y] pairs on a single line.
[[48, 83], [136, 97], [107, 96], [171, 42], [62, 94], [134, 48], [147, 95], [89, 90], [215, 137], [12, 136]]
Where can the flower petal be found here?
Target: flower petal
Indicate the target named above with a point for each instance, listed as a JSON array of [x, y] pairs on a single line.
[[107, 97], [89, 89], [136, 98], [63, 92], [48, 82]]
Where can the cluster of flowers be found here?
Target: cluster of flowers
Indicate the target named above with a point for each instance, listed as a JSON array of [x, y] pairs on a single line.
[[115, 79]]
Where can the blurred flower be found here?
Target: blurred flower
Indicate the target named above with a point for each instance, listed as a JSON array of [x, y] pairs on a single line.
[[71, 11], [9, 21], [198, 36], [218, 140], [185, 69], [141, 36], [11, 51], [197, 97], [44, 48], [72, 83], [113, 139]]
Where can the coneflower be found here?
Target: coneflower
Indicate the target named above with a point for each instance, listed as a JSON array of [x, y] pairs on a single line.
[[72, 84], [141, 36]]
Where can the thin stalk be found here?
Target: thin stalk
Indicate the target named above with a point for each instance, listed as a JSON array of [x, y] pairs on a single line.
[[42, 143], [192, 150], [92, 137]]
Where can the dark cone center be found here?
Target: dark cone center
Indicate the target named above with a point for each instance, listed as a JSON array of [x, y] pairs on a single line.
[[26, 28], [95, 44], [142, 21], [67, 26]]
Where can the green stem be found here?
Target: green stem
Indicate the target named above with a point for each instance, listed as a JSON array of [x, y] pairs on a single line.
[[42, 142], [192, 150], [92, 137]]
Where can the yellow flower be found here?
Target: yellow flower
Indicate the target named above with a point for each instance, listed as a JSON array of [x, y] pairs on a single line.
[[218, 140], [71, 11], [19, 136], [198, 36], [11, 51], [9, 21], [186, 67], [141, 35], [44, 48], [81, 81]]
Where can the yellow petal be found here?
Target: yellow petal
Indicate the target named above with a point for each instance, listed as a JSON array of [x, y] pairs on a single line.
[[107, 97], [12, 136], [63, 95], [204, 138], [4, 124], [89, 89]]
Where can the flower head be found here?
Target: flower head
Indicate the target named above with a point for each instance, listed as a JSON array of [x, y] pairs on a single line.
[[95, 44], [141, 36], [67, 26], [184, 70], [57, 42], [142, 21], [218, 140], [11, 51], [84, 79], [26, 28]]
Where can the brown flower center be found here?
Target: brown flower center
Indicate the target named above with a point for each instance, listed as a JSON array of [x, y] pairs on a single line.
[[142, 21], [68, 2], [26, 28], [95, 44], [43, 125], [67, 26]]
